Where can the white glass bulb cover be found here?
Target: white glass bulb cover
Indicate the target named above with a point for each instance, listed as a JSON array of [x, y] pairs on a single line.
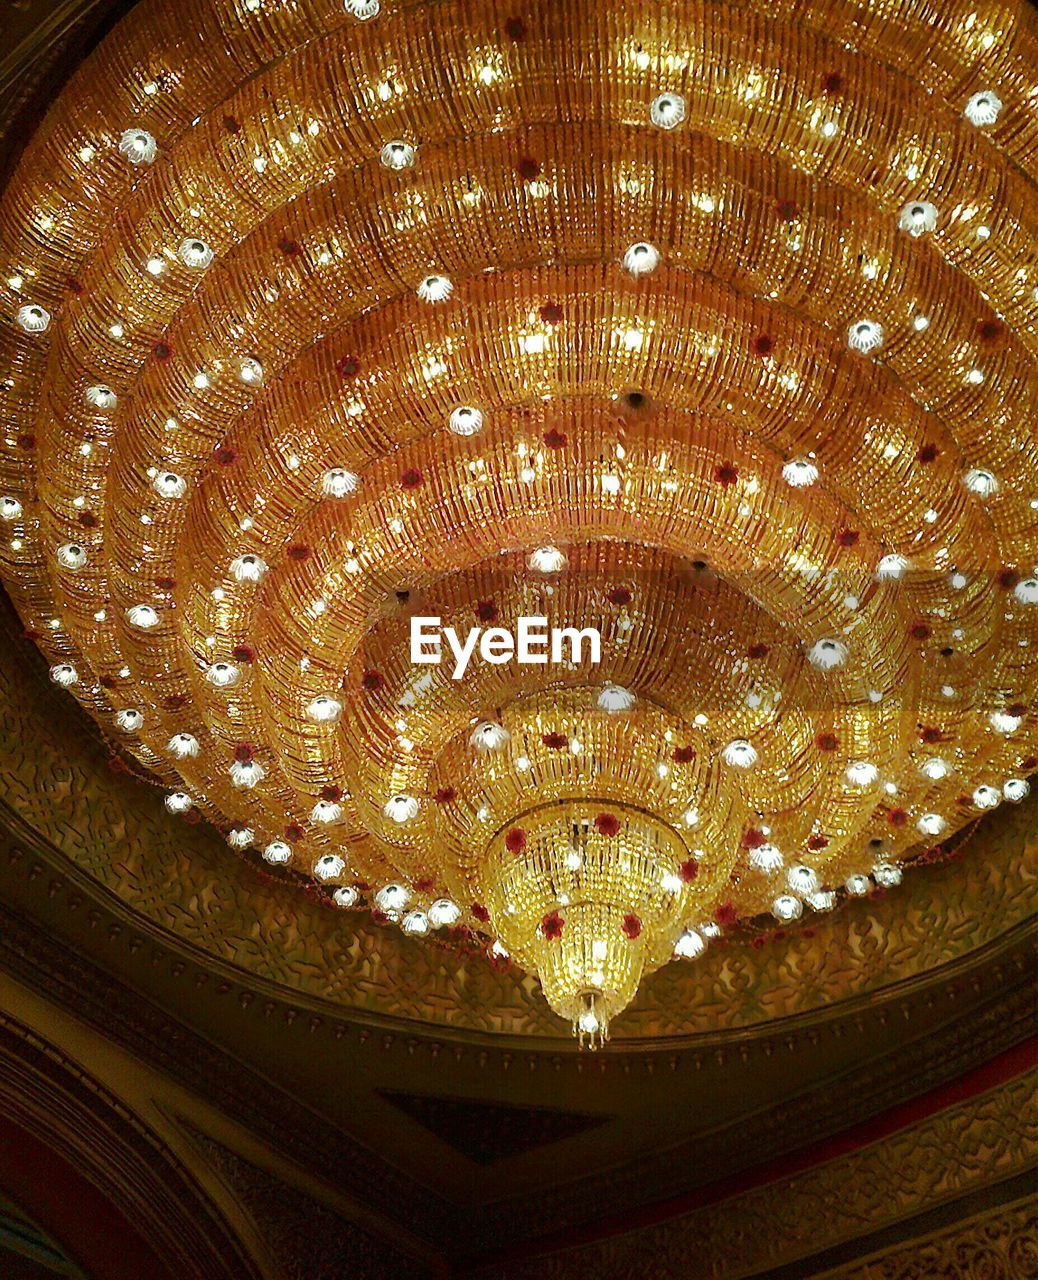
[[981, 482], [401, 808], [142, 616], [641, 259], [324, 709], [931, 824], [248, 568], [435, 289], [278, 852], [250, 371], [892, 566], [799, 473], [247, 773], [337, 482], [690, 944], [766, 857], [668, 110], [224, 675], [918, 217], [415, 924], [443, 913], [1026, 591], [740, 754], [71, 555], [466, 420], [982, 110], [33, 318], [489, 736], [802, 880], [195, 254], [985, 797], [547, 560], [346, 896], [183, 745], [64, 673], [935, 768], [10, 509], [823, 900], [397, 155], [101, 397], [167, 484], [887, 874], [615, 699], [861, 773], [129, 719], [138, 146], [240, 837], [325, 811], [865, 336], [329, 867], [786, 907], [1003, 722], [362, 9], [827, 654], [857, 885], [178, 802], [1016, 789], [392, 897]]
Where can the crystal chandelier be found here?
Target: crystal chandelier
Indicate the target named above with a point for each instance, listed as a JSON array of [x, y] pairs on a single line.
[[696, 328]]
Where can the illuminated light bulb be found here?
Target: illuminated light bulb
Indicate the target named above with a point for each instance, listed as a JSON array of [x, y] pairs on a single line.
[[892, 567], [786, 907], [887, 874], [827, 654], [155, 265], [920, 323], [861, 773], [247, 773], [983, 108], [690, 944], [64, 673], [248, 568], [667, 111], [1026, 591], [362, 9], [443, 913], [931, 824], [183, 745], [986, 797], [466, 421], [143, 616], [766, 857], [865, 336], [277, 853], [799, 473], [178, 802], [671, 882], [857, 885], [547, 560], [339, 483], [129, 719], [224, 675], [975, 377], [489, 736], [329, 867], [138, 146], [1016, 789], [397, 155], [981, 482], [957, 580], [802, 879], [435, 289], [325, 811], [101, 397], [641, 259], [615, 699], [918, 218], [240, 837], [690, 817], [33, 319], [10, 509], [70, 555], [346, 896], [324, 710], [611, 484], [167, 484], [935, 768], [250, 371], [401, 808], [415, 924], [195, 254], [1003, 722], [739, 754], [392, 897]]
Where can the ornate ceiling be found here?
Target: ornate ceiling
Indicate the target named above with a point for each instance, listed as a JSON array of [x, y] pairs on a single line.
[[653, 426]]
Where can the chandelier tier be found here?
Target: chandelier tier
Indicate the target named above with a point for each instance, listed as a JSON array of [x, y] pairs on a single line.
[[711, 328]]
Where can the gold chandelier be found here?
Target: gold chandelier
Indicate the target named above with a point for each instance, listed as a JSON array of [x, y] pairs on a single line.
[[709, 327]]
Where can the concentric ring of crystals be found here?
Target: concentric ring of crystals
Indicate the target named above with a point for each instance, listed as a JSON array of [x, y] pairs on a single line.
[[358, 314]]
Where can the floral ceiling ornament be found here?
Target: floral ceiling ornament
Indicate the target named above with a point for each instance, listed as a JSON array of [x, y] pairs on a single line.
[[694, 370]]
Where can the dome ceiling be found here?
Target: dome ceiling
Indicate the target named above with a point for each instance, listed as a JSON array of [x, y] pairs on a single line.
[[709, 328]]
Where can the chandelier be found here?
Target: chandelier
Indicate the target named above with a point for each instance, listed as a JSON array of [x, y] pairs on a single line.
[[709, 328]]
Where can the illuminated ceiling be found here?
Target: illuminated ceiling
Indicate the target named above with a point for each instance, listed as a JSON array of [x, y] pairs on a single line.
[[709, 327]]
